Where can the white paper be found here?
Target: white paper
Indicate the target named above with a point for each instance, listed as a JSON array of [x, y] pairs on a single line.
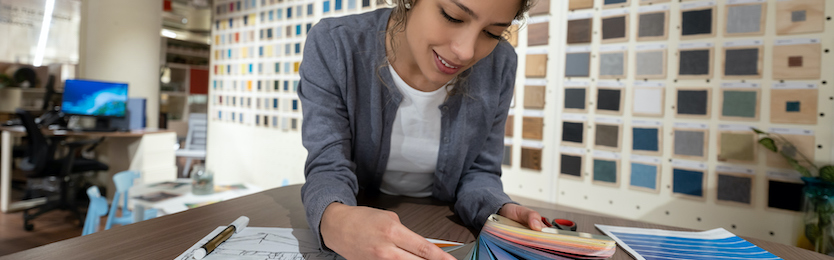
[[264, 243]]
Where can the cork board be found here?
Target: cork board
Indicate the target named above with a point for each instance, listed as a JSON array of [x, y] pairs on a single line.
[[532, 128], [801, 61], [793, 106], [536, 66], [800, 16], [531, 158], [534, 97]]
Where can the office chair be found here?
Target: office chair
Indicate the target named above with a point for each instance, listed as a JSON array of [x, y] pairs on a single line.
[[123, 181], [195, 141], [41, 163]]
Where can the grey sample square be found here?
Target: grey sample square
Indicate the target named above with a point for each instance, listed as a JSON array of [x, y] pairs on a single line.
[[575, 98], [744, 18], [577, 64], [739, 62], [611, 64], [652, 24], [734, 188], [693, 102], [508, 151], [694, 62], [649, 63], [607, 135], [690, 143], [798, 16]]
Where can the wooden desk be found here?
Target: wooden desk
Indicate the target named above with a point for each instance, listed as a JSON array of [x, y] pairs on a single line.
[[151, 152], [168, 236]]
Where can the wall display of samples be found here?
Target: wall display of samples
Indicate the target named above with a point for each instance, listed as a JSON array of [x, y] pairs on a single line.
[[653, 100]]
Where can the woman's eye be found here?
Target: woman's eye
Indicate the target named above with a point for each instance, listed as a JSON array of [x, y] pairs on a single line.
[[497, 37], [445, 15]]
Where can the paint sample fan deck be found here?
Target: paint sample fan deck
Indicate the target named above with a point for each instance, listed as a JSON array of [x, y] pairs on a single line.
[[503, 238]]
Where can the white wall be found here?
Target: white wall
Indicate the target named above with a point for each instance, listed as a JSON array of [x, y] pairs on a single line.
[[120, 42]]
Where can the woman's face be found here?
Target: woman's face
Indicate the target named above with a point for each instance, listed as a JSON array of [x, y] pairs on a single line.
[[446, 37]]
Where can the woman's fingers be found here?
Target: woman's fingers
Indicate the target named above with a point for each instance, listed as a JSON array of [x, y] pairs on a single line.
[[523, 215], [418, 246]]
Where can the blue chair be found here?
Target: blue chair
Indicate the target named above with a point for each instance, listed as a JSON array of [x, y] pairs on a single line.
[[96, 210], [123, 181]]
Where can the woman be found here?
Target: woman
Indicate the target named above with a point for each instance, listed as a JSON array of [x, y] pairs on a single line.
[[407, 101]]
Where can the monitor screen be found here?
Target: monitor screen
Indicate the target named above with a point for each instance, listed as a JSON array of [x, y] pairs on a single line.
[[94, 98]]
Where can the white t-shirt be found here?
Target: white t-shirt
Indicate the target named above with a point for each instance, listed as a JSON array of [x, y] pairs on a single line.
[[415, 141]]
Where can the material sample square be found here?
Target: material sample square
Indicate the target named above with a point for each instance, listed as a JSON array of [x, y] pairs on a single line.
[[579, 31], [508, 126], [612, 64], [532, 128], [577, 64], [538, 34], [614, 28], [605, 170], [644, 175], [541, 7], [508, 153], [650, 63], [608, 99], [734, 188], [737, 147], [743, 19], [573, 132], [575, 98], [696, 22], [534, 97], [610, 2], [689, 143], [648, 101], [800, 16], [571, 165], [693, 102], [740, 103], [652, 25], [793, 106], [784, 195], [645, 139], [536, 66], [607, 135], [741, 62], [694, 62], [531, 158], [795, 61], [688, 182], [804, 144], [800, 61], [580, 4]]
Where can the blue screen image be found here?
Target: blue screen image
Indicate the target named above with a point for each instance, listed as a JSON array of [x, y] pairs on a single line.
[[94, 98]]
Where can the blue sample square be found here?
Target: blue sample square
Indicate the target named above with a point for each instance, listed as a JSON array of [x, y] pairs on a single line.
[[325, 6], [337, 5], [645, 139], [644, 175], [792, 106], [688, 182]]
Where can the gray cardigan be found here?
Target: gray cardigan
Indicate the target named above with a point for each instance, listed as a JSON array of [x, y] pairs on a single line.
[[350, 101]]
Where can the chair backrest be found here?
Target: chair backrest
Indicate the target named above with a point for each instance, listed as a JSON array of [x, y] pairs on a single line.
[[97, 209], [38, 147], [123, 181], [197, 128]]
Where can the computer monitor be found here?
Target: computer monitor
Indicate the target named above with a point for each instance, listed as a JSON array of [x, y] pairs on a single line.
[[94, 98]]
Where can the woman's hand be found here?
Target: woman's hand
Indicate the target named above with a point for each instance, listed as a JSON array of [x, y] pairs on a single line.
[[367, 233], [523, 215]]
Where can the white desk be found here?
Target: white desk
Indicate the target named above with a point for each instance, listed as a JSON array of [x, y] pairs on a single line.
[[179, 204], [150, 152]]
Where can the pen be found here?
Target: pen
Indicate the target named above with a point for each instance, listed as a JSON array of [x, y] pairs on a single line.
[[236, 226]]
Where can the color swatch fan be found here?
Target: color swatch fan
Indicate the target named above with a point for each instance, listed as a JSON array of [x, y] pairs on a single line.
[[503, 238]]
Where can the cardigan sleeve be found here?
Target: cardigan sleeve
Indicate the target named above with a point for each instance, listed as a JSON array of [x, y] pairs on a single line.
[[326, 131]]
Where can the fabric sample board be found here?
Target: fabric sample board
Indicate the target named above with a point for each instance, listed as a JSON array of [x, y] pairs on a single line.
[[804, 144], [644, 175], [694, 62], [652, 25], [577, 64], [741, 62], [536, 66], [508, 155], [607, 135], [650, 64], [688, 182], [612, 64], [573, 132], [532, 128], [739, 147], [571, 165], [534, 97], [648, 101], [531, 158], [735, 188], [580, 4], [693, 102], [745, 19], [645, 139], [575, 98], [538, 33], [609, 99], [784, 107], [605, 170], [784, 195], [801, 61], [696, 22], [800, 16], [579, 31], [690, 143], [740, 104], [614, 28]]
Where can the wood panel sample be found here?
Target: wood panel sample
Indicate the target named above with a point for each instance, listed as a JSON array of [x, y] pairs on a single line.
[[534, 96], [508, 127], [580, 30], [793, 106], [538, 34], [801, 61], [580, 4], [536, 66], [532, 128], [800, 16], [540, 7], [531, 158]]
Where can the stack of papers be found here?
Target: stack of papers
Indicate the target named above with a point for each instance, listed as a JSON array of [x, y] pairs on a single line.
[[718, 243], [503, 238]]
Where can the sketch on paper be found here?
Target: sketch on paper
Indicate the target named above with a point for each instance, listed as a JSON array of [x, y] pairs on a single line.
[[265, 243]]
